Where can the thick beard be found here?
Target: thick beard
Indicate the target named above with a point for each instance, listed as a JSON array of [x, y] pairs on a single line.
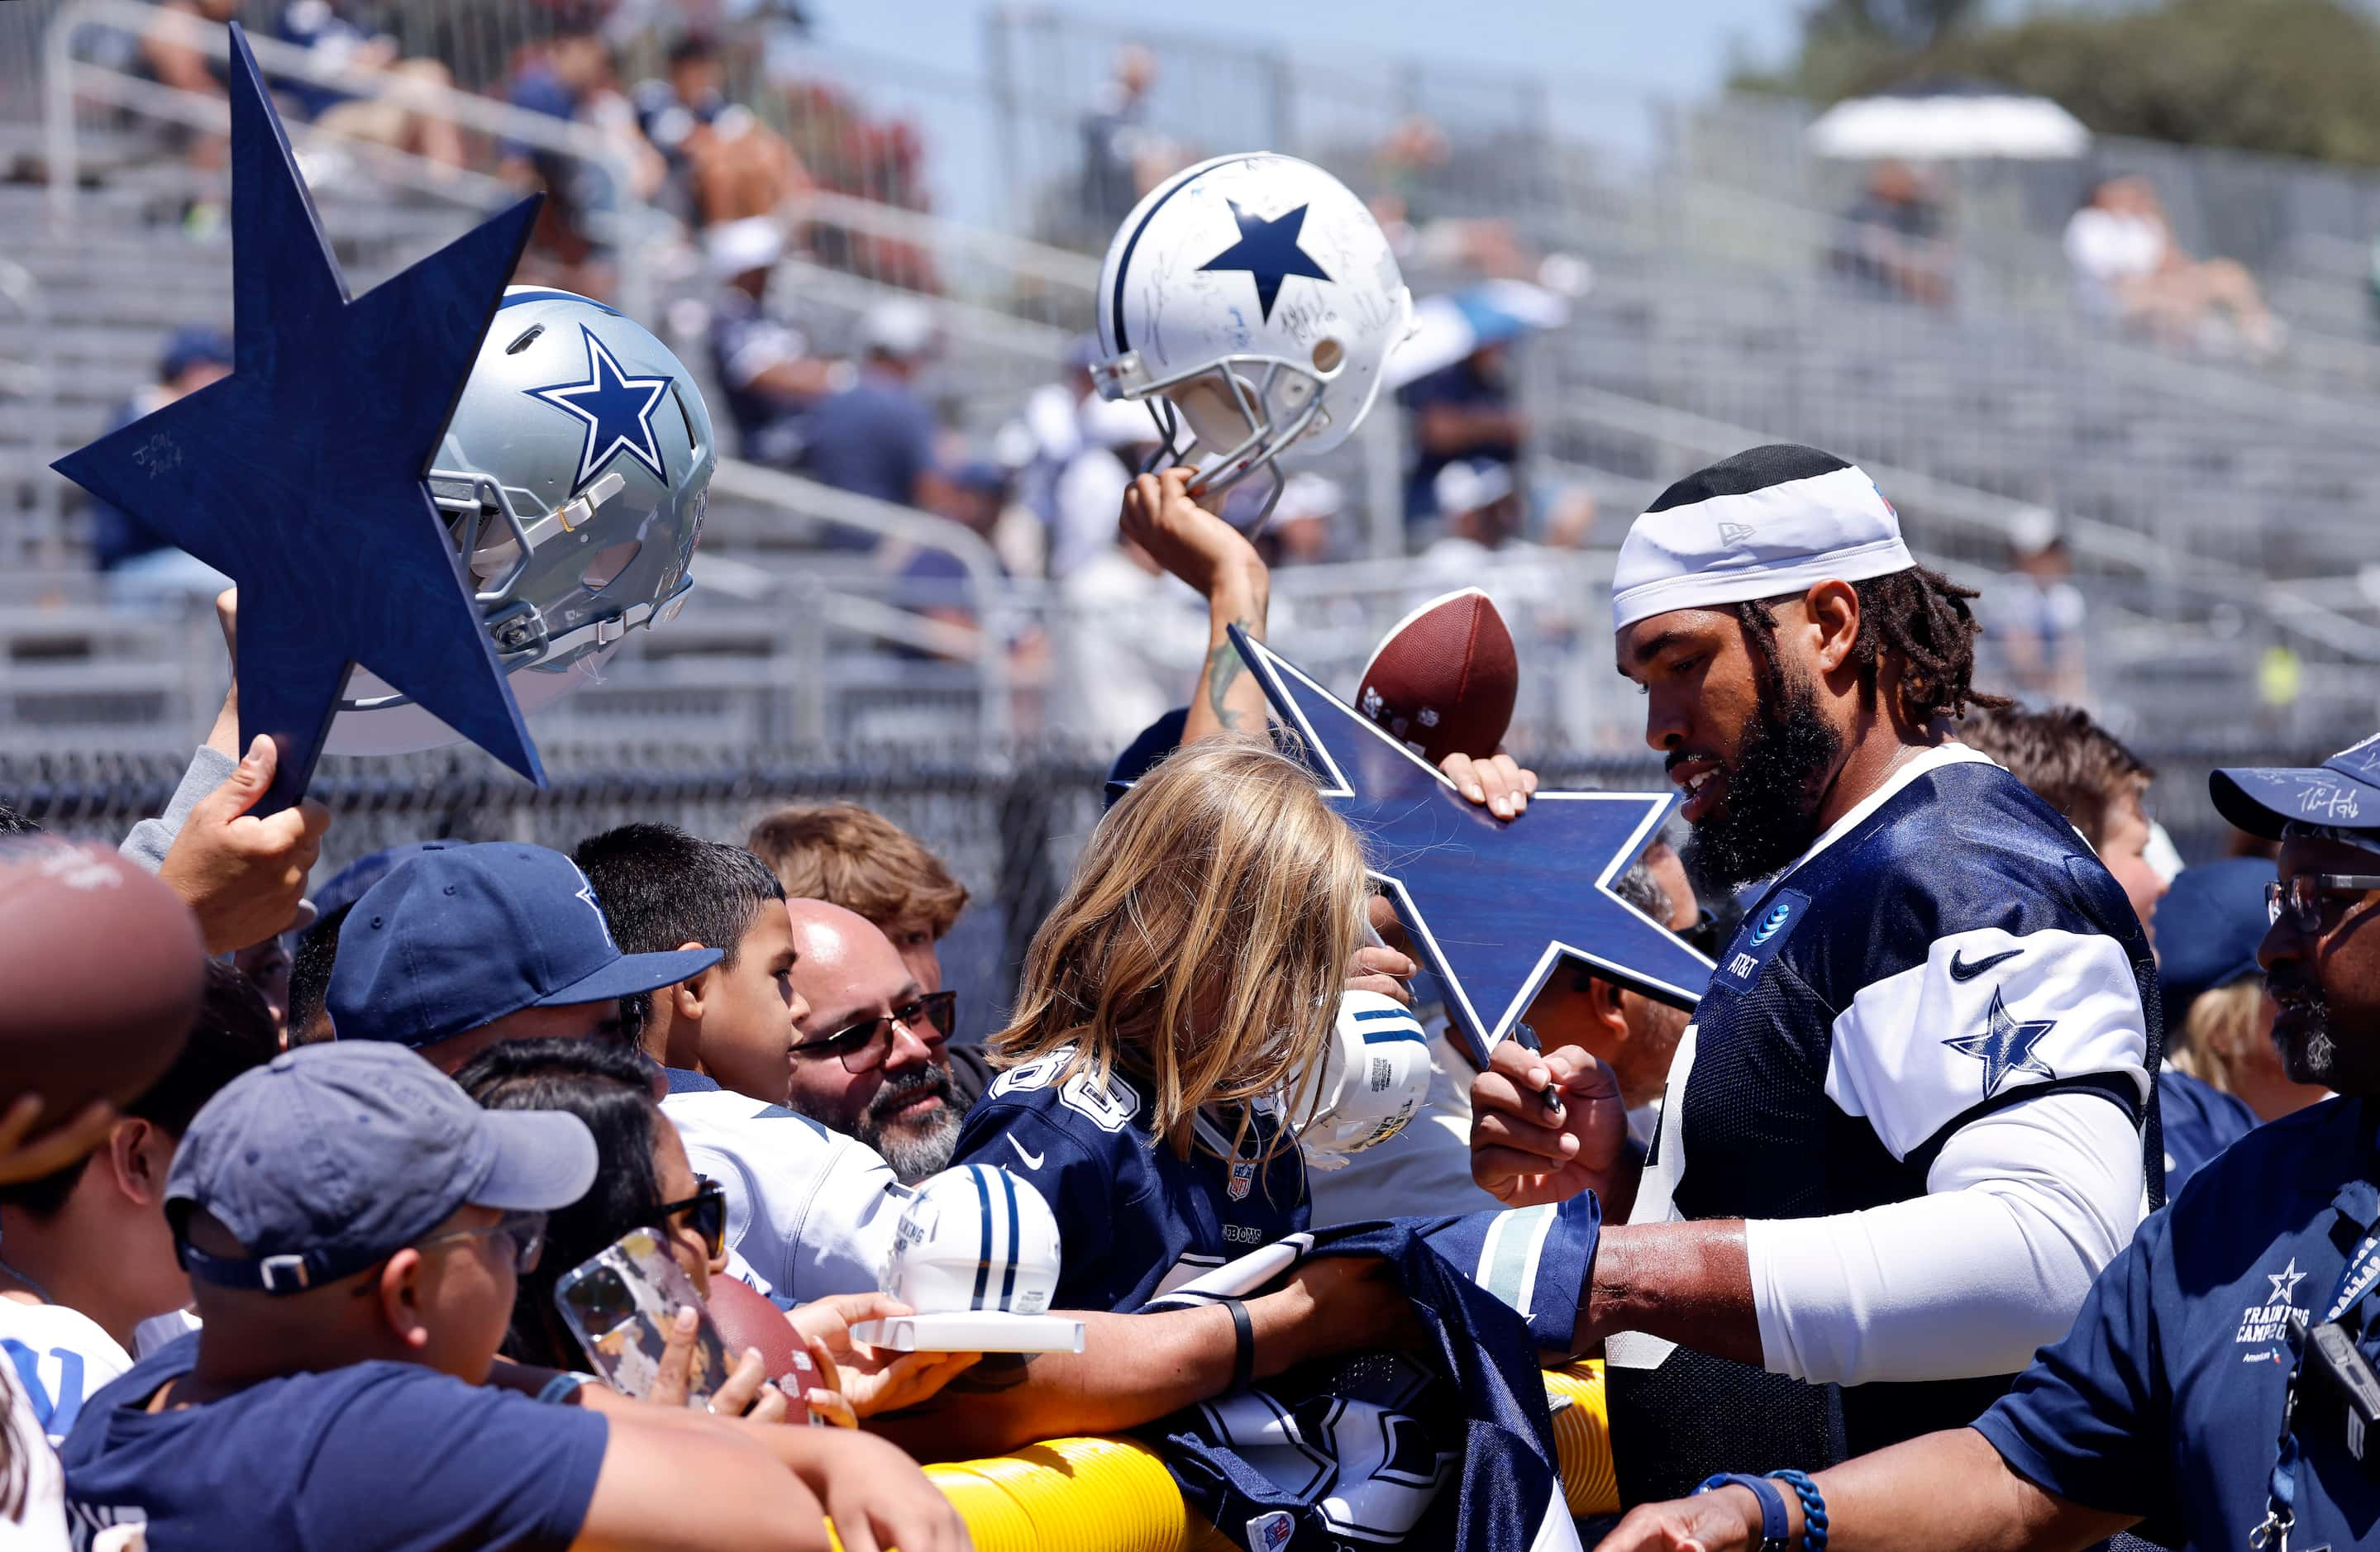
[[914, 1152], [2311, 1055], [1770, 815]]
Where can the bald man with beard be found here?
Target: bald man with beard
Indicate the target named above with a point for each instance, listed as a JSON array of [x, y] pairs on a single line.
[[871, 1055]]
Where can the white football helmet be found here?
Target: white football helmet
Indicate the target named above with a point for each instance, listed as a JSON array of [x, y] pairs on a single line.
[[573, 479], [974, 1238], [1253, 300], [1374, 1079]]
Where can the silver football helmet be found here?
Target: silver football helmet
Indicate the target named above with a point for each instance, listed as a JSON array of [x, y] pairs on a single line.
[[573, 478]]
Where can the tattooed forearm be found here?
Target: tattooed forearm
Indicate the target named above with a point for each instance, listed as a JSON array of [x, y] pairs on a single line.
[[1224, 667]]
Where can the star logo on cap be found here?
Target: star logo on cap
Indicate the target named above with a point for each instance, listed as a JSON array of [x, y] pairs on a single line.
[[616, 409], [1493, 906], [2004, 1045], [1269, 251]]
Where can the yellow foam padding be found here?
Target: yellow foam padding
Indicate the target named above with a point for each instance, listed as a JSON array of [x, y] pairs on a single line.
[[1114, 1494], [1582, 1439]]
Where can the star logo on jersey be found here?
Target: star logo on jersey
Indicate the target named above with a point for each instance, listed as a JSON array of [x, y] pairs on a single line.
[[1269, 251], [1493, 906], [2285, 1282], [299, 476], [2004, 1045], [616, 409]]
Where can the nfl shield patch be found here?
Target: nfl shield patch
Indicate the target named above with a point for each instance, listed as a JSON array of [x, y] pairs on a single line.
[[1244, 1178]]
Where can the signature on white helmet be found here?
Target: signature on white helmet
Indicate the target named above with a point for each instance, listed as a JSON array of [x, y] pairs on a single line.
[[1253, 300], [1374, 1078]]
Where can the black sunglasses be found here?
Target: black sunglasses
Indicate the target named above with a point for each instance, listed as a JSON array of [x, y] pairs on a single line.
[[2301, 896], [1703, 937], [862, 1047], [706, 1213]]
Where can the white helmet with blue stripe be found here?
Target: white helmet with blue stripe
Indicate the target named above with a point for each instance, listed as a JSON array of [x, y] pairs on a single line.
[[974, 1238], [1375, 1079], [1253, 300], [572, 479]]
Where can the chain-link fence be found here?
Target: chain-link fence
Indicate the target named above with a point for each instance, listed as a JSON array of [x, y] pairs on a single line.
[[1009, 823]]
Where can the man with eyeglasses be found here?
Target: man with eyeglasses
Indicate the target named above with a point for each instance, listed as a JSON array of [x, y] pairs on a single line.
[[354, 1226], [2218, 1388], [872, 1055]]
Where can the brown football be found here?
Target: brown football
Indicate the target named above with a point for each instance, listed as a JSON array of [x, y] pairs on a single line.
[[1443, 680], [104, 968], [745, 1318]]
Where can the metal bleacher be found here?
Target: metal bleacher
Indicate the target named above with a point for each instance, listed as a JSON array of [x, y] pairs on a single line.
[[2217, 509]]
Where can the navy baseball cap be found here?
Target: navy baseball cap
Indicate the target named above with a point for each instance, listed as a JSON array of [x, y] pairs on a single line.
[[2208, 925], [190, 347], [458, 936], [333, 1156], [2341, 793]]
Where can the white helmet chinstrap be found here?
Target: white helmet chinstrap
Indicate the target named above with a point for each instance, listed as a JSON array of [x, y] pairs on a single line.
[[1374, 1078], [1255, 300], [573, 480], [974, 1238]]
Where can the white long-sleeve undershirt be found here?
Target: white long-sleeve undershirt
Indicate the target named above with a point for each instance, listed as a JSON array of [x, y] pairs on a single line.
[[2024, 1208]]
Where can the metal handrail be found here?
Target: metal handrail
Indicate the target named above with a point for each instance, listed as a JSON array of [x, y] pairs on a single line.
[[886, 519], [1021, 255], [17, 284], [1989, 514], [64, 73]]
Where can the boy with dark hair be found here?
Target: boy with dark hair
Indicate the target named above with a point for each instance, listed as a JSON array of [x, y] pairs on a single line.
[[2083, 772], [661, 890], [87, 1271]]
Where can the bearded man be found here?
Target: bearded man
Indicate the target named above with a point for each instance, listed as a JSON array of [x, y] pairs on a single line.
[[1915, 1118]]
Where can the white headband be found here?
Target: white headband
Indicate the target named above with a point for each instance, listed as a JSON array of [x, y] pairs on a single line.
[[1724, 542]]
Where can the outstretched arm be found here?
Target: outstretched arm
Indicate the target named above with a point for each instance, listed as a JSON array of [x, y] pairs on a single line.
[[1137, 1368], [1949, 1491], [1216, 560]]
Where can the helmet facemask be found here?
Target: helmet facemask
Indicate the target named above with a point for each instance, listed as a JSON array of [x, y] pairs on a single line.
[[1240, 412]]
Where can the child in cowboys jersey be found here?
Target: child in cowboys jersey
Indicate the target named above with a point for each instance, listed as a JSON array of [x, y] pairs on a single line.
[[1177, 1005], [1179, 1013]]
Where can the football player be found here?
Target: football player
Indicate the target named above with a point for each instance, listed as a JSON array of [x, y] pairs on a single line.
[[1914, 1116]]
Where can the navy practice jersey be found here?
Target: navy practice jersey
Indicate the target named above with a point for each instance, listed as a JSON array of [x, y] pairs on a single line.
[[1132, 1220], [1954, 949]]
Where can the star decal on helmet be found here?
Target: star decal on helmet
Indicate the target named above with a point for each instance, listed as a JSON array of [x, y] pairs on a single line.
[[616, 408], [1269, 251]]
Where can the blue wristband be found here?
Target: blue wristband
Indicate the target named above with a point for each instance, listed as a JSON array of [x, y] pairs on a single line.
[[1814, 1507], [1772, 1506]]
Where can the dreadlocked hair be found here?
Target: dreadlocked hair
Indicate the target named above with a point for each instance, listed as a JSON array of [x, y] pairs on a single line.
[[1918, 616]]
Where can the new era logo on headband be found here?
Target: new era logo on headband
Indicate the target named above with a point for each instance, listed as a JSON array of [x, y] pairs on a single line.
[[1733, 534]]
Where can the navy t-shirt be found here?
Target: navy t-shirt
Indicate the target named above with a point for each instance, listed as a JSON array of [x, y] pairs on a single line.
[[2165, 1399], [381, 1455], [876, 437], [2200, 1121]]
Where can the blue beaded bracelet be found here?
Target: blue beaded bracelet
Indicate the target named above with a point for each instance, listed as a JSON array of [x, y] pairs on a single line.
[[1814, 1507]]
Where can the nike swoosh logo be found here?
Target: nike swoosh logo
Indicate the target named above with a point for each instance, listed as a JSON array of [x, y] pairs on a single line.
[[1032, 1160], [1965, 970]]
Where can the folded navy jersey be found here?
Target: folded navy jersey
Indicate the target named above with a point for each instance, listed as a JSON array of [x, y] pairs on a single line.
[[1453, 1447], [1951, 948], [1132, 1220]]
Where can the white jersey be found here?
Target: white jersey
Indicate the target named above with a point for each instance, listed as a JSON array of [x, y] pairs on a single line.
[[810, 1210]]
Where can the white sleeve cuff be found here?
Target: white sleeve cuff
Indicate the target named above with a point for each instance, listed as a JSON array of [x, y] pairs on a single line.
[[2025, 1206]]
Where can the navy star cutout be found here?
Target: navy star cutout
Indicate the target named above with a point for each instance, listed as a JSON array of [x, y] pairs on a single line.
[[617, 410], [2004, 1045], [1493, 906], [1269, 251], [300, 474]]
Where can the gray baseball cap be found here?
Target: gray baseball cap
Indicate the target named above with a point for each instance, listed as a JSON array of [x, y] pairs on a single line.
[[333, 1156]]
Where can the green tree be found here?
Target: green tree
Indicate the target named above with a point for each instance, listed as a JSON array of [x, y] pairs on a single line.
[[2298, 78]]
